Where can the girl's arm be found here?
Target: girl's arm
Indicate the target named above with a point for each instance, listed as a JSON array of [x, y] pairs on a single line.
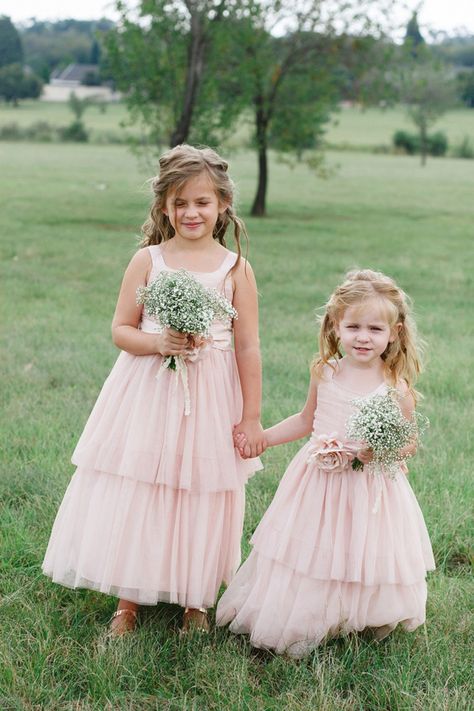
[[407, 406], [125, 332], [249, 363], [295, 426]]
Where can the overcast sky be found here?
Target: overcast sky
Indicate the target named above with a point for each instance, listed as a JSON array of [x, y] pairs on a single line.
[[437, 15]]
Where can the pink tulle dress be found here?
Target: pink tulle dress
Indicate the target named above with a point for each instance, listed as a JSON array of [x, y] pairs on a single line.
[[154, 511], [334, 552]]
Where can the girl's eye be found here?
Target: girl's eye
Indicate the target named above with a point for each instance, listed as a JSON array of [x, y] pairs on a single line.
[[352, 326], [376, 328]]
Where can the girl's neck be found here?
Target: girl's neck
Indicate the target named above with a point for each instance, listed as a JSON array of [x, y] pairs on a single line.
[[360, 377]]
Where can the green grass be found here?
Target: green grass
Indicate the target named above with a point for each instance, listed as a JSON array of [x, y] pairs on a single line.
[[349, 128], [69, 219], [369, 128]]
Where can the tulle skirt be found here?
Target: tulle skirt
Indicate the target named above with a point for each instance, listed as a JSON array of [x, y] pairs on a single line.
[[334, 553], [145, 543], [154, 511]]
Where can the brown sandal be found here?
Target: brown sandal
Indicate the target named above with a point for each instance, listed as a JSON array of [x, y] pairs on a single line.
[[195, 619], [126, 625]]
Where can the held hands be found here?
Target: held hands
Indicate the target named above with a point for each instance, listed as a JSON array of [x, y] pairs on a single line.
[[249, 438]]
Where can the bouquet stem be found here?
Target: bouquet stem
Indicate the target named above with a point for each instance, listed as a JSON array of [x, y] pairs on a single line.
[[357, 465]]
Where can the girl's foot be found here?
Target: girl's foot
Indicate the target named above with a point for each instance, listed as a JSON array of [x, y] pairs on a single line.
[[195, 619], [123, 621]]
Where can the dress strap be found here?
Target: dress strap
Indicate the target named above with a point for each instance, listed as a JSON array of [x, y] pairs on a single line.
[[155, 254]]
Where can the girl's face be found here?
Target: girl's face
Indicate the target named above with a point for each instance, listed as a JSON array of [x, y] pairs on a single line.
[[193, 211], [365, 332]]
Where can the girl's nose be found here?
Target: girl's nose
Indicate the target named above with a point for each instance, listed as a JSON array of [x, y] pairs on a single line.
[[191, 211]]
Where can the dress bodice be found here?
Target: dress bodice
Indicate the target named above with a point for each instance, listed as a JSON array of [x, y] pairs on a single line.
[[221, 332], [336, 405]]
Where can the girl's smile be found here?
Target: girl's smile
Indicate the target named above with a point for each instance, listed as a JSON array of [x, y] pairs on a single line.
[[194, 210]]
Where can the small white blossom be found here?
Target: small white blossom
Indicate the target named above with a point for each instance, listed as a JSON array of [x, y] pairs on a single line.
[[380, 424], [178, 300]]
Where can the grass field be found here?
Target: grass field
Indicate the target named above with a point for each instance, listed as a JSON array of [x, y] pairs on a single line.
[[69, 219], [350, 127]]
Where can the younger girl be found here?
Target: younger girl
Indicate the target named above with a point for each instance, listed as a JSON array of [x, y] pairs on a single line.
[[154, 510], [339, 550]]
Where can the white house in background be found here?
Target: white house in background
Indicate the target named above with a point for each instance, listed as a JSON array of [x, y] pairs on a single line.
[[73, 75], [69, 80]]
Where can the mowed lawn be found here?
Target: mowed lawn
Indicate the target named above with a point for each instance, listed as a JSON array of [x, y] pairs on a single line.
[[351, 127], [69, 219]]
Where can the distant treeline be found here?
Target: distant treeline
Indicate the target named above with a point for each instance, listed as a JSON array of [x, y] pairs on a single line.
[[48, 46]]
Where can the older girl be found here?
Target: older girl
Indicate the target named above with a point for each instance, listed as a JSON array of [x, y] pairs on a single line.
[[154, 510]]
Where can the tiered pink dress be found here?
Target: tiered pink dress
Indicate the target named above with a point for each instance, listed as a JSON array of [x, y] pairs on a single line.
[[154, 511], [334, 552]]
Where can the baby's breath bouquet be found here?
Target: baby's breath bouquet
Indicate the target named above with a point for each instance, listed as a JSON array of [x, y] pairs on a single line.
[[177, 300], [380, 424]]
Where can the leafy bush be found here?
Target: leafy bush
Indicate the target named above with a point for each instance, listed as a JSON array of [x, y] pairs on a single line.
[[464, 148], [406, 142], [11, 132], [437, 144], [40, 131], [76, 131]]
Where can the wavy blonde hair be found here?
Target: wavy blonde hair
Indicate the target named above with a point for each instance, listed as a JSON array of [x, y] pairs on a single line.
[[177, 166], [402, 358]]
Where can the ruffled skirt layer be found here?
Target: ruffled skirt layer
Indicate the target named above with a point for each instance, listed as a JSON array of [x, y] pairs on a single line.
[[137, 428], [154, 511], [285, 611], [333, 553], [145, 543]]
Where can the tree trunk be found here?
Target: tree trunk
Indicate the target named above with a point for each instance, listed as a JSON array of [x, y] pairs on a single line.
[[423, 144], [259, 203], [194, 74]]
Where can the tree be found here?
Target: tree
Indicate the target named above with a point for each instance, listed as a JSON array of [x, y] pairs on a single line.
[[161, 61], [294, 81], [11, 50], [413, 36], [466, 87], [16, 85], [428, 90]]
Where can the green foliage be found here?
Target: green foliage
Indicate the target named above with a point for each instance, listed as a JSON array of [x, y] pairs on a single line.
[[409, 143], [76, 131], [171, 74], [457, 50], [466, 87], [463, 148], [428, 89], [16, 84], [413, 36], [11, 50], [51, 45]]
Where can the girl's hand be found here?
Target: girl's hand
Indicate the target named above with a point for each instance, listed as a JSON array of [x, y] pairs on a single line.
[[254, 443], [240, 440], [172, 343], [365, 455]]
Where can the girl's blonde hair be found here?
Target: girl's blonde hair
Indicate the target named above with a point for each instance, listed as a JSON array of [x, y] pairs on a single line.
[[177, 166], [402, 358]]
